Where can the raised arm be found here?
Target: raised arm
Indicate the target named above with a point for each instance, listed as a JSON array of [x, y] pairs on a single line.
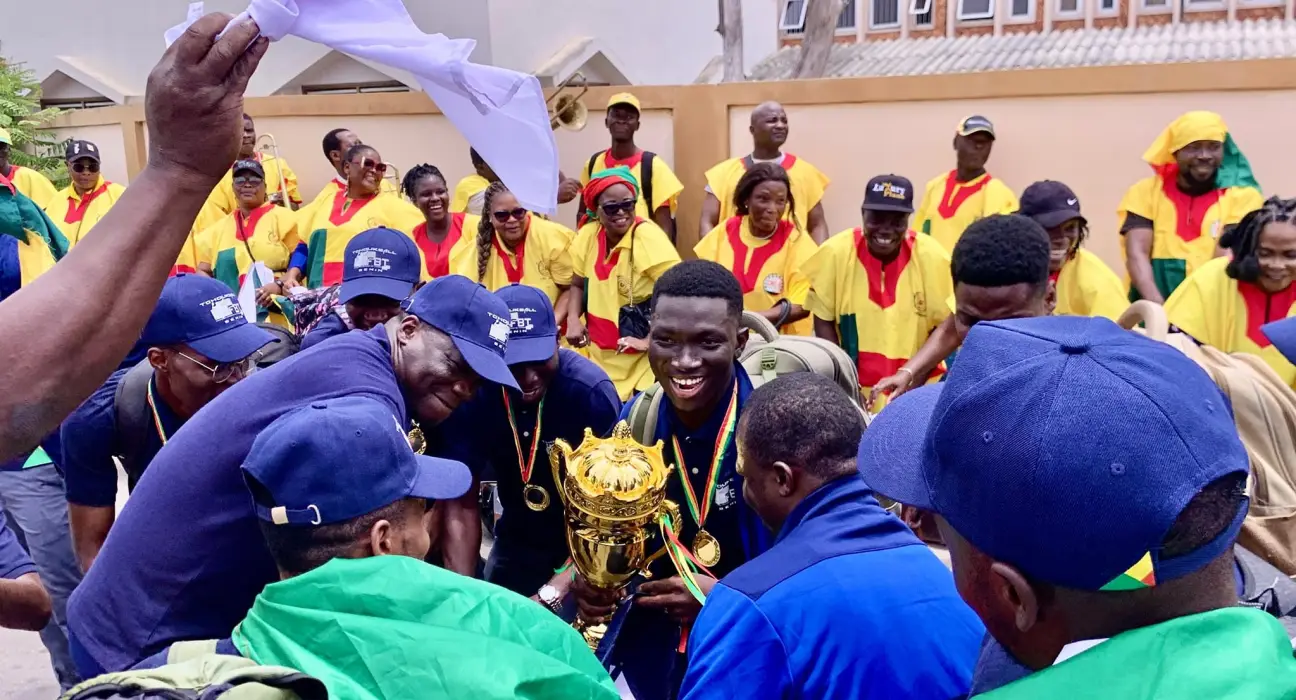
[[194, 107]]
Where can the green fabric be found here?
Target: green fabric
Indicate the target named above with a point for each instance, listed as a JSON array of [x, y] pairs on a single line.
[[1168, 273], [395, 627], [227, 269], [315, 251], [849, 336], [20, 218], [38, 458], [1228, 654], [926, 227], [1235, 169]]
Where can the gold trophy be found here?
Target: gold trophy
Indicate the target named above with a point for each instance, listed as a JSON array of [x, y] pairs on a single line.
[[614, 493]]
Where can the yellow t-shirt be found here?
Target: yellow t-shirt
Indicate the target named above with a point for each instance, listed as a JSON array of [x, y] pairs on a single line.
[[1178, 251], [332, 228], [949, 206], [223, 196], [36, 186], [883, 312], [1226, 314], [76, 215], [326, 195], [270, 233], [767, 269], [1087, 287], [808, 185], [665, 186], [467, 195], [545, 261], [609, 284]]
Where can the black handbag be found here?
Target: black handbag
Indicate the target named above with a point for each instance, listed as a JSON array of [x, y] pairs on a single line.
[[633, 319]]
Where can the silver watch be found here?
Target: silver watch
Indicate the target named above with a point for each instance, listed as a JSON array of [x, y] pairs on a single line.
[[549, 596]]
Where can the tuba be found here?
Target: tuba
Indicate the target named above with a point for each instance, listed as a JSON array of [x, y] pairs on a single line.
[[272, 147], [567, 110]]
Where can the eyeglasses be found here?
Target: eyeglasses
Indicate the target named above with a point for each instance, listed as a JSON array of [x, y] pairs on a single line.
[[376, 166], [503, 216], [85, 167], [614, 208], [224, 371], [248, 180]]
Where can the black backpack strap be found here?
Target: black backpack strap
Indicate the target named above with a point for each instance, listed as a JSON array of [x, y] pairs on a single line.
[[130, 406], [589, 169], [645, 169]]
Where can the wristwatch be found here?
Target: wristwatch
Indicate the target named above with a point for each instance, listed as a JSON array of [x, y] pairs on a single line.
[[548, 595]]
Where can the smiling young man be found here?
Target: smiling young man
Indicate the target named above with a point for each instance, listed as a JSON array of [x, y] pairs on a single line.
[[659, 186], [967, 193], [880, 290], [508, 432], [195, 576], [1000, 270], [693, 349]]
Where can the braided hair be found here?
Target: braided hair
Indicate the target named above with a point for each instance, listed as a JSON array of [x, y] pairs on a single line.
[[1243, 239], [486, 230], [415, 175], [757, 174]]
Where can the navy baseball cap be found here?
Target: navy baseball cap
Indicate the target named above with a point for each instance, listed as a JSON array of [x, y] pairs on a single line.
[[533, 329], [1283, 336], [1050, 204], [338, 459], [474, 318], [202, 313], [247, 165], [380, 261], [1065, 446]]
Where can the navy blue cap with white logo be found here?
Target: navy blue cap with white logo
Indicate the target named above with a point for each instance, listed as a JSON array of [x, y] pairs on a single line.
[[202, 313], [533, 328], [380, 261], [474, 318], [338, 459], [76, 150]]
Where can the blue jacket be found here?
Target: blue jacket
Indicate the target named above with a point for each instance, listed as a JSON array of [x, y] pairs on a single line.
[[846, 604]]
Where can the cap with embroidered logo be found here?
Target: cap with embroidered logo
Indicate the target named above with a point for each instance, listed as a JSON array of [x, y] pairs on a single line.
[[1065, 446], [889, 193], [380, 261], [1050, 204], [474, 318], [247, 165], [975, 124], [303, 468], [202, 313], [76, 150], [533, 329]]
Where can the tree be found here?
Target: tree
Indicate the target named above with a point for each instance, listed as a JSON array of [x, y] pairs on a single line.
[[21, 115], [816, 46], [730, 30]]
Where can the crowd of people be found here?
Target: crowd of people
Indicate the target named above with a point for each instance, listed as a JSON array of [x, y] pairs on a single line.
[[1088, 482]]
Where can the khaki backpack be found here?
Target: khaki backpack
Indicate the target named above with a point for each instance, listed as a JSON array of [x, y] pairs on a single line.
[[1264, 409]]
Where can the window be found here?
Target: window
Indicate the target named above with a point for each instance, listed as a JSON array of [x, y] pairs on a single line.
[[977, 9], [1156, 4], [794, 14], [1107, 7], [354, 89], [1069, 8], [1022, 10], [1192, 5], [922, 12], [77, 103], [846, 20], [884, 14]]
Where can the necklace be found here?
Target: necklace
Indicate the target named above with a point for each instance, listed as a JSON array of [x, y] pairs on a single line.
[[705, 546], [536, 497]]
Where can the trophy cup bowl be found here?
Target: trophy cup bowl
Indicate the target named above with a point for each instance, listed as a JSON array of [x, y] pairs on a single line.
[[614, 494]]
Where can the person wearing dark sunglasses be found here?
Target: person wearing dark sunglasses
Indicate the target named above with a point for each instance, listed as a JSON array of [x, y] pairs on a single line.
[[363, 205], [79, 206], [279, 175], [515, 247]]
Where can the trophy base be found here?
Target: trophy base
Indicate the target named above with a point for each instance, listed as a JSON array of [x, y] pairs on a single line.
[[593, 634]]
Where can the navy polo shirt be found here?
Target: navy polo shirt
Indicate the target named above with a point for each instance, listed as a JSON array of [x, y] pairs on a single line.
[[478, 434], [14, 561], [90, 441], [329, 326], [186, 559]]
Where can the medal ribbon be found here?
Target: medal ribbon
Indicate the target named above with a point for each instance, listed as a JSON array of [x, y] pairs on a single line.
[[700, 510], [157, 419], [524, 467]]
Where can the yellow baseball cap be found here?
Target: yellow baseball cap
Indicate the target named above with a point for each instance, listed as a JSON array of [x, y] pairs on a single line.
[[4, 136], [624, 98], [974, 124]]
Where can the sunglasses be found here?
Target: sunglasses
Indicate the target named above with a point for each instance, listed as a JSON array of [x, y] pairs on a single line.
[[92, 167], [502, 216], [248, 180], [614, 208], [376, 166]]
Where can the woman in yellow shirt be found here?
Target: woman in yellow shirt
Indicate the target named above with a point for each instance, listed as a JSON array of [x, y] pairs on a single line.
[[441, 235], [515, 247], [78, 207], [1226, 301], [1085, 285], [616, 260], [764, 249]]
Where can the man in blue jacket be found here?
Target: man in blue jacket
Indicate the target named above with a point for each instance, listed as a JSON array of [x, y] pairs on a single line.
[[848, 603]]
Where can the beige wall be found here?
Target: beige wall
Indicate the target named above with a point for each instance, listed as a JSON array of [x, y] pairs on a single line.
[[1092, 143]]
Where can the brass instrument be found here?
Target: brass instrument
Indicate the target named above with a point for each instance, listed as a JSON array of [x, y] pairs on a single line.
[[272, 147], [567, 110], [392, 173], [614, 494]]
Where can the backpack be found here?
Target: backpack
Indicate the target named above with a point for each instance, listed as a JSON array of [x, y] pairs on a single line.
[[767, 356], [645, 187], [195, 672], [1264, 409]]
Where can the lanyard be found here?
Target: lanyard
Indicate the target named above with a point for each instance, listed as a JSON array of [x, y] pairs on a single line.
[[157, 419], [725, 436], [526, 466]]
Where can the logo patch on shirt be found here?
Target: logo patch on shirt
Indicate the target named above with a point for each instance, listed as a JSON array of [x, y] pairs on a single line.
[[920, 303], [773, 283], [372, 260], [225, 308]]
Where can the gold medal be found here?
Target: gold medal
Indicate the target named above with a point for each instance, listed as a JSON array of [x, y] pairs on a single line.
[[536, 497], [706, 548], [417, 442]]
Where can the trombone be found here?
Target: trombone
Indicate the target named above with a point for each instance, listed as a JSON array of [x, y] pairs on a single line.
[[568, 111], [393, 173], [272, 147]]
